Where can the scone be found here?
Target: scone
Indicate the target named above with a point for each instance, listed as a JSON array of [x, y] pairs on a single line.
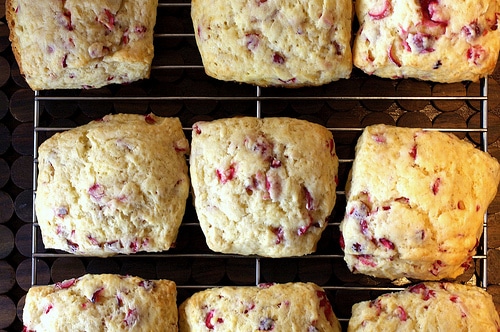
[[104, 302], [263, 186], [267, 307], [430, 306], [415, 203], [274, 42], [442, 41], [116, 185], [74, 44]]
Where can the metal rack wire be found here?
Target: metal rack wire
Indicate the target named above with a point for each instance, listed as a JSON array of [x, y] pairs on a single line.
[[259, 98]]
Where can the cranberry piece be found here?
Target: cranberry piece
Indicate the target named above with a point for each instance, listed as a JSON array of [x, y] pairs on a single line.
[[472, 31], [65, 19], [278, 58], [381, 11], [252, 41], [97, 294], [226, 175], [131, 317], [196, 129], [149, 119], [338, 48], [147, 284], [379, 138], [280, 234], [364, 227], [125, 38], [93, 240], [289, 81], [423, 290], [413, 152], [436, 266], [275, 163], [266, 324], [357, 247], [378, 306], [436, 185], [64, 61], [330, 144], [342, 241], [461, 205], [360, 212], [265, 285], [475, 53], [72, 245], [367, 260], [422, 42], [402, 315], [208, 320], [65, 284], [325, 304], [48, 308], [393, 56], [140, 29], [61, 212], [437, 65], [107, 19], [96, 191], [388, 244]]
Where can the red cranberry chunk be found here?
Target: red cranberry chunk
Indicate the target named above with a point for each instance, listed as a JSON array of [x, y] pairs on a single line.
[[96, 191], [149, 119], [393, 56], [65, 284], [381, 11], [107, 19], [401, 313], [476, 54], [309, 200], [48, 308], [413, 152], [278, 58], [96, 295], [208, 320], [342, 241], [61, 212], [436, 185], [280, 234], [131, 317], [252, 41], [367, 260], [388, 244], [226, 175], [147, 284], [72, 245]]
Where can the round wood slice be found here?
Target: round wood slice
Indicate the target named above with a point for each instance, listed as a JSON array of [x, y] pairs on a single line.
[[4, 34], [377, 87], [103, 265], [5, 138], [21, 172], [377, 118], [344, 300], [4, 71], [175, 269], [451, 120], [4, 104], [61, 109], [7, 277], [448, 90], [21, 105], [20, 307], [17, 77], [414, 120], [318, 271], [208, 271], [343, 88], [6, 244], [413, 88], [165, 57], [279, 270], [23, 205], [199, 88], [241, 271], [169, 107], [139, 267], [23, 274], [493, 128], [131, 106], [474, 90], [8, 312], [65, 268], [4, 173], [344, 120], [23, 240], [6, 207], [22, 139], [95, 109]]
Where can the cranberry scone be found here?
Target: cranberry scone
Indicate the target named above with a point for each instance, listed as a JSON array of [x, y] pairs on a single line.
[[415, 203], [436, 40], [263, 186], [74, 44], [104, 302], [266, 307], [274, 42], [115, 185], [430, 306]]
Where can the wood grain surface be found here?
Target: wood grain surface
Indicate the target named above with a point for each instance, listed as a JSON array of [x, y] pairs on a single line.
[[191, 264]]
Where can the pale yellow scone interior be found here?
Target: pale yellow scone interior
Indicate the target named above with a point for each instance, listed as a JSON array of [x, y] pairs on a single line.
[[267, 307], [104, 302], [116, 185], [274, 42], [415, 203], [263, 186], [73, 44], [430, 306], [436, 40]]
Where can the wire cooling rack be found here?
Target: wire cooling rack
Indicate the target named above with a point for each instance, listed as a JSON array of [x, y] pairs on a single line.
[[179, 87]]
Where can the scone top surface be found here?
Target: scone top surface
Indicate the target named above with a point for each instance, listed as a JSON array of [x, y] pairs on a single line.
[[274, 42], [72, 44], [116, 185], [104, 302], [442, 41], [263, 186], [266, 307], [429, 306], [415, 203]]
